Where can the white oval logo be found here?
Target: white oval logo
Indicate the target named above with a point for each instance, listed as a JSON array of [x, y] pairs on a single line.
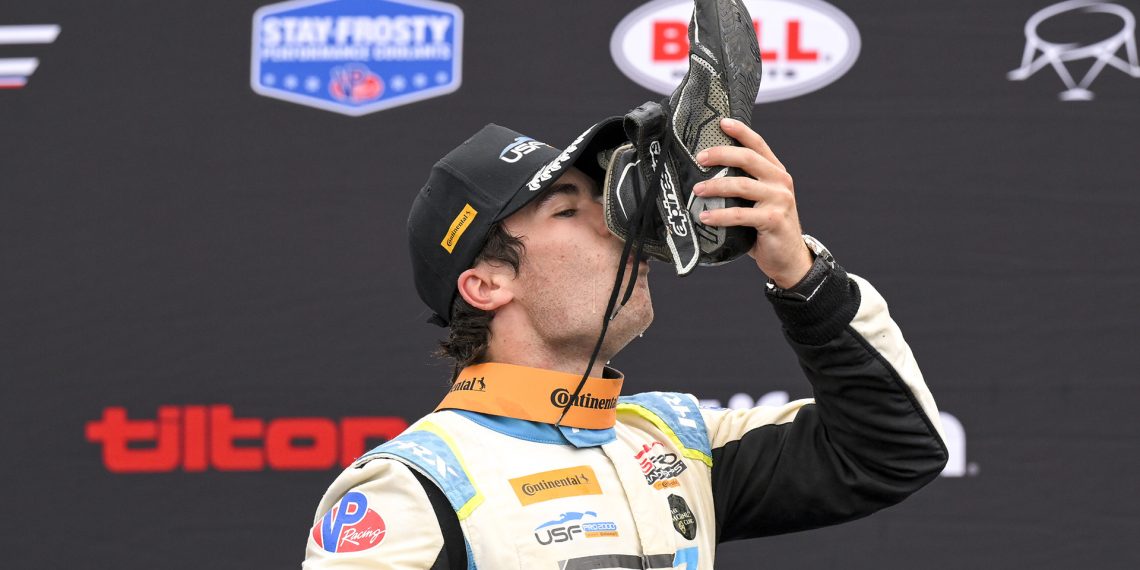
[[804, 44]]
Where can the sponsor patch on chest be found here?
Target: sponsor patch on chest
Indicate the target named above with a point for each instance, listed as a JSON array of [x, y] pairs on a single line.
[[684, 521], [660, 466], [556, 484]]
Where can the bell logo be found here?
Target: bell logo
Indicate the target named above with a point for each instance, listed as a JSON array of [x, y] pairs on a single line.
[[804, 44], [196, 438], [671, 43]]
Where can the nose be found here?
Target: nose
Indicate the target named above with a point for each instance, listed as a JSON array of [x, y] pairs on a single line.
[[597, 215]]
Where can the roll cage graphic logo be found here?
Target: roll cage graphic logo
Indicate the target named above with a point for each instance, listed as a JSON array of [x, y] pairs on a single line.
[[1040, 53]]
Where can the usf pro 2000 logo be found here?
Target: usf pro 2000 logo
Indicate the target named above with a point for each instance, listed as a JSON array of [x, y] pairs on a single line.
[[574, 524]]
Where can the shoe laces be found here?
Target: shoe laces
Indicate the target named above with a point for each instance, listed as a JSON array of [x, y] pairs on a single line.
[[636, 228]]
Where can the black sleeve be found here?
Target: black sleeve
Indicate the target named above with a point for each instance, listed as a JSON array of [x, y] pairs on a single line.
[[868, 440], [453, 555]]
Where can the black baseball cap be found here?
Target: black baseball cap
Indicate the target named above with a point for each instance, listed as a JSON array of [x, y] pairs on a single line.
[[482, 181]]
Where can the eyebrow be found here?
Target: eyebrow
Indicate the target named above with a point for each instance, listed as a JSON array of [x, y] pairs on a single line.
[[556, 190]]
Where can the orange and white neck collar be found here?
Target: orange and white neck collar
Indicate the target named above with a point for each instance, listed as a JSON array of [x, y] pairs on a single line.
[[534, 394]]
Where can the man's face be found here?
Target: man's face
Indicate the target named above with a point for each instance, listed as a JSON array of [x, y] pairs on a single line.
[[569, 267]]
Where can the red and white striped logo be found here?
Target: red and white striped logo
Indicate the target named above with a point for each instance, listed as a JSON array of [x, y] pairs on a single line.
[[15, 71], [805, 45]]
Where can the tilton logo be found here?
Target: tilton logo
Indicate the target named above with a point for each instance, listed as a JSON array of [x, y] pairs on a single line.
[[196, 438], [804, 44], [356, 56]]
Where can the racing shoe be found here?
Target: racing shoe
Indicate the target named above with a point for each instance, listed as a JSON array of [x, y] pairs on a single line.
[[722, 81], [658, 164]]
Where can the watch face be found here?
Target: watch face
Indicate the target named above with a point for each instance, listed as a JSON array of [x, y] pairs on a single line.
[[817, 248]]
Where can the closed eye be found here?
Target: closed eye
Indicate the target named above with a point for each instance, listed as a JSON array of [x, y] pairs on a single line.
[[567, 213]]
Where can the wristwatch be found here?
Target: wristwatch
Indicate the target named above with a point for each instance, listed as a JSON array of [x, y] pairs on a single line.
[[820, 270]]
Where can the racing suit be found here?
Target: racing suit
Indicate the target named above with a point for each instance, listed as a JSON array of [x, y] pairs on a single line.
[[646, 481]]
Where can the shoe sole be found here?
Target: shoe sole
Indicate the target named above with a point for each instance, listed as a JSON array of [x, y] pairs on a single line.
[[742, 57], [734, 59]]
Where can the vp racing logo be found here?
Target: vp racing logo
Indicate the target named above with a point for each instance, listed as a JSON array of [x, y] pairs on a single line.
[[356, 56], [804, 44], [15, 71], [1102, 48], [350, 526]]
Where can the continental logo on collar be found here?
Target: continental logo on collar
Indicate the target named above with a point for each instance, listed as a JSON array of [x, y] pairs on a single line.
[[557, 484], [458, 226], [472, 385], [561, 397]]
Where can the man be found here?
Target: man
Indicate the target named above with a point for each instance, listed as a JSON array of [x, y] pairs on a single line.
[[527, 463], [656, 482]]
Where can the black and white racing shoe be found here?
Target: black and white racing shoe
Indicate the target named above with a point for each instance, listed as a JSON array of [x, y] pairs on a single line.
[[722, 81], [658, 164]]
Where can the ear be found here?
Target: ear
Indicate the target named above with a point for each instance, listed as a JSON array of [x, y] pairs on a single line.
[[482, 287]]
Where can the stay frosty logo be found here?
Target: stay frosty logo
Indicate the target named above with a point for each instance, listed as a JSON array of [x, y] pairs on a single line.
[[356, 56]]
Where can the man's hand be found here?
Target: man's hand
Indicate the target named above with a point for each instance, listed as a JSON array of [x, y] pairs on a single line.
[[780, 251]]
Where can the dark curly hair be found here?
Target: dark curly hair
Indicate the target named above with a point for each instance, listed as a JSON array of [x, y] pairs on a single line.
[[470, 329]]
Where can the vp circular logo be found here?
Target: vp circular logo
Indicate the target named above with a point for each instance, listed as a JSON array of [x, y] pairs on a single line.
[[350, 526], [805, 45]]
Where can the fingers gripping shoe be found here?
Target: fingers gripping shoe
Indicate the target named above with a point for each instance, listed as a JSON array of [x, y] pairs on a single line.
[[722, 81]]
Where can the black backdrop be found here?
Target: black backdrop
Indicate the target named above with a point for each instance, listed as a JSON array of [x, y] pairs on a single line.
[[171, 238]]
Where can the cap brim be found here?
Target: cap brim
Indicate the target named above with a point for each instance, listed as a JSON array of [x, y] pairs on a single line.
[[582, 153]]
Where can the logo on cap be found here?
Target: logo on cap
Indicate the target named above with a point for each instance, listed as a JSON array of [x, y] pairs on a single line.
[[458, 226], [548, 171], [518, 148]]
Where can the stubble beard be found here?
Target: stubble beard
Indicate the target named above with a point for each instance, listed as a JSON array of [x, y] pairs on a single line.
[[569, 325]]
